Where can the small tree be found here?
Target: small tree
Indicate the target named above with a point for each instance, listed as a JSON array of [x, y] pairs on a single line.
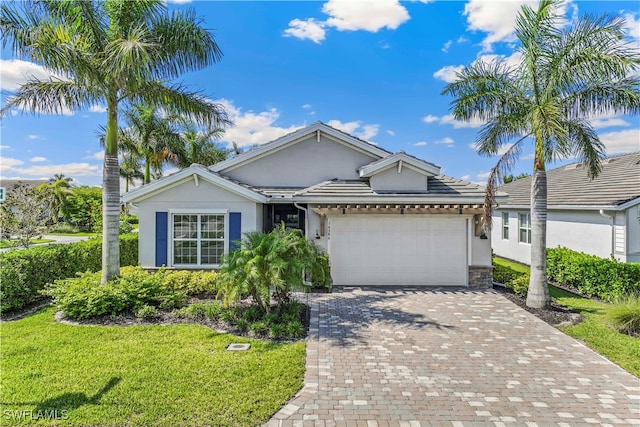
[[24, 213]]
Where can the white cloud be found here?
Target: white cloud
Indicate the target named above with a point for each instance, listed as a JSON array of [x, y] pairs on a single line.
[[349, 15], [446, 46], [459, 124], [483, 175], [8, 164], [98, 109], [252, 128], [446, 141], [98, 155], [38, 159], [15, 72], [448, 73], [33, 137], [621, 142], [5, 147], [430, 119], [14, 166], [608, 122], [390, 132], [368, 15], [307, 29], [356, 128], [512, 61], [632, 26], [498, 19], [420, 144], [307, 106], [465, 177]]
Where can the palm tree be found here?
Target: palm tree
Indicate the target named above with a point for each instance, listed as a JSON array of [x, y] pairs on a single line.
[[113, 52], [56, 191], [566, 76], [153, 137], [130, 170], [200, 148]]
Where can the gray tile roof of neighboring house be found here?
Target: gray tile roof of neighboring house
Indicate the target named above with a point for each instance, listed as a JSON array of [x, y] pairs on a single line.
[[9, 183], [619, 182]]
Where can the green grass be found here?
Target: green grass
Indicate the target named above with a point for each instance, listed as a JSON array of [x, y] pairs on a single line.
[[595, 332], [141, 375], [521, 268], [79, 233], [13, 243]]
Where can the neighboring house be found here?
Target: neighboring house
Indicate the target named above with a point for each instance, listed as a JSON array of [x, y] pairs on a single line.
[[599, 216], [6, 185], [384, 218]]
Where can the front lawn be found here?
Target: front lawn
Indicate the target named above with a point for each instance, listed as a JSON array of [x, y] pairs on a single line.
[[621, 349], [141, 375]]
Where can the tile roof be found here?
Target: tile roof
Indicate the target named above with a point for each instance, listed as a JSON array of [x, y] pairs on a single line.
[[439, 185], [619, 182]]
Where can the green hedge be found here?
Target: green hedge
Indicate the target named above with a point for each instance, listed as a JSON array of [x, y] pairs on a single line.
[[25, 272], [591, 275]]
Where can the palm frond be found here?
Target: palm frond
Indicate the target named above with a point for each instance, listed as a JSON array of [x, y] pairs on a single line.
[[51, 97], [586, 145], [182, 45], [503, 167], [176, 99]]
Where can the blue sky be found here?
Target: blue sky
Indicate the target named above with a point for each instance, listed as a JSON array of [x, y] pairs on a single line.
[[374, 69]]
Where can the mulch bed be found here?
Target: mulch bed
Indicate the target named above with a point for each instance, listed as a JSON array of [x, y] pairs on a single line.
[[555, 314], [166, 317]]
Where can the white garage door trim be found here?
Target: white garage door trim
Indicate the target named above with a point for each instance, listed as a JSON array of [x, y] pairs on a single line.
[[399, 250]]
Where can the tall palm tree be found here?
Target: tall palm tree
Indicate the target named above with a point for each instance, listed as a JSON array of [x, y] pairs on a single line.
[[200, 146], [567, 75], [113, 52]]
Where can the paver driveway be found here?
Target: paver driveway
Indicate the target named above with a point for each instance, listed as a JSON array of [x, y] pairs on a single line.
[[457, 358]]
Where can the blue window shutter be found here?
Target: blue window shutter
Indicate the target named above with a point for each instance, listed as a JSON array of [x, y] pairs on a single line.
[[235, 230], [162, 228]]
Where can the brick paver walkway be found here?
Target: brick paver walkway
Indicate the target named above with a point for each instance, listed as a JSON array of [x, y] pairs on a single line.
[[450, 358]]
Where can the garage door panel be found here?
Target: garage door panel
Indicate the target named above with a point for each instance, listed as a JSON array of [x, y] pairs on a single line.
[[398, 250]]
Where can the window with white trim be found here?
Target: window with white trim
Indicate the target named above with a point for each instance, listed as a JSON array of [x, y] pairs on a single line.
[[524, 228], [505, 225], [198, 239]]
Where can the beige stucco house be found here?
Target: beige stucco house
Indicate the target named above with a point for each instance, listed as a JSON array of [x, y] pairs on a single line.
[[384, 218]]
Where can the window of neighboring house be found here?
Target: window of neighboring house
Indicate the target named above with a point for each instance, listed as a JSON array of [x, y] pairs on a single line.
[[524, 228], [198, 239], [505, 225]]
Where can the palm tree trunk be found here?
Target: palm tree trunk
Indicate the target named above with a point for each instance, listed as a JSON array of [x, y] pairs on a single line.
[[111, 199], [538, 293], [147, 171]]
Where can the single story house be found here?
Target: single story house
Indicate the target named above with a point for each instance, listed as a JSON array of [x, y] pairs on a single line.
[[599, 217], [383, 218]]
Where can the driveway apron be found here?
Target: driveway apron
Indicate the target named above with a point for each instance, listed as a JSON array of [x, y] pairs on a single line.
[[440, 357]]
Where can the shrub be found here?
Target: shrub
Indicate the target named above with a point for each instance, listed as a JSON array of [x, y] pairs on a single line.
[[26, 272], [173, 300], [520, 285], [591, 275], [193, 283], [294, 329], [147, 312], [321, 272], [624, 316], [213, 310], [258, 327]]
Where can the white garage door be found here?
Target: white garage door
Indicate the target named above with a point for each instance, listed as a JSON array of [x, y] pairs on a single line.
[[398, 250]]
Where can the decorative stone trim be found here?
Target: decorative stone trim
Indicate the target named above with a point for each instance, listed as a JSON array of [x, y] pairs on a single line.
[[480, 276]]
